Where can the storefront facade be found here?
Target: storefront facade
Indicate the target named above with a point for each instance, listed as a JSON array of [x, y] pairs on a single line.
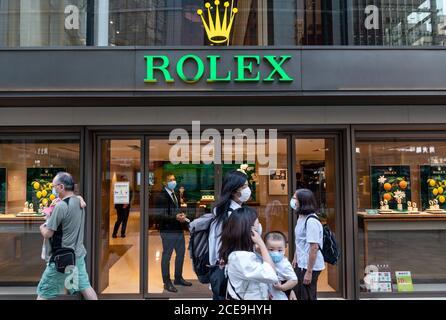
[[357, 125]]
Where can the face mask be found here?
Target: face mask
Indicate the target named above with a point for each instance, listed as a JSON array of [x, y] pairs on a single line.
[[276, 256], [245, 194], [55, 192], [259, 229], [293, 204], [172, 185]]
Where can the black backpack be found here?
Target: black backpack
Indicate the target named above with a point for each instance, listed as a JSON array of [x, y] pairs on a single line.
[[199, 246], [330, 249]]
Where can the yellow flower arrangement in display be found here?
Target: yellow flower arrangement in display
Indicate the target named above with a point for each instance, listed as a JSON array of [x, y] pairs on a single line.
[[43, 192], [437, 190]]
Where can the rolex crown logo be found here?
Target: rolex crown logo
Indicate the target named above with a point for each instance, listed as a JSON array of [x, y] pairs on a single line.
[[218, 32]]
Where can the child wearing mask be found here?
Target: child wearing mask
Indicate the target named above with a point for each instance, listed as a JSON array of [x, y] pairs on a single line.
[[275, 243]]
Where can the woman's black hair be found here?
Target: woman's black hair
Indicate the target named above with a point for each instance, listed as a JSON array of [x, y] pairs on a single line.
[[237, 232], [232, 181], [307, 203]]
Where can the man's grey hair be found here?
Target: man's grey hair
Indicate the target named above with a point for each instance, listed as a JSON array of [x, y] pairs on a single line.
[[66, 179]]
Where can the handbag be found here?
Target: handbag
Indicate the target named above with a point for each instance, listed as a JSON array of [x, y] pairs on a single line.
[[64, 257]]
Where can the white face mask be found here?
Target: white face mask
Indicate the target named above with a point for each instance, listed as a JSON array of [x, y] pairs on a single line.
[[259, 229], [54, 191], [293, 204], [245, 194]]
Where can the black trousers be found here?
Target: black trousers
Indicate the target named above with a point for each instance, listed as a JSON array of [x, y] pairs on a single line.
[[172, 241], [123, 217], [219, 283], [306, 292]]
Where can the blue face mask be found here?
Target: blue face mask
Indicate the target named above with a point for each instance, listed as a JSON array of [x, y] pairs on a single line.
[[276, 256], [55, 192], [171, 185]]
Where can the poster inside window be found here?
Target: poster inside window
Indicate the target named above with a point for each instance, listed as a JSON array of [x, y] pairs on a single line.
[[39, 189], [433, 187], [390, 188]]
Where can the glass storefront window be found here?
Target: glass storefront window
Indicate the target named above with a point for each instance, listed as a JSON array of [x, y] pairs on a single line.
[[354, 22], [26, 168], [169, 22], [257, 23], [398, 23], [43, 23], [401, 215]]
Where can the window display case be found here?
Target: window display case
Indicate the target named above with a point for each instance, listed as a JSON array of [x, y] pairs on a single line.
[[27, 168], [401, 221]]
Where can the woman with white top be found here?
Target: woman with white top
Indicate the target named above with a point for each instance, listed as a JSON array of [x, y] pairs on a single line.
[[249, 274], [308, 260], [234, 193]]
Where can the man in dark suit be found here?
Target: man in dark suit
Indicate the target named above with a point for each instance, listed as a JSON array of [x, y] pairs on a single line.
[[172, 223]]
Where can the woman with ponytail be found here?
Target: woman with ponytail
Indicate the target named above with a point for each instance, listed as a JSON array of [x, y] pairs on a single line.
[[234, 193]]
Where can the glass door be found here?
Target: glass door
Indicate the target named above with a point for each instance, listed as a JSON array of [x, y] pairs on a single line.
[[316, 167], [167, 242], [197, 188], [118, 234], [270, 191]]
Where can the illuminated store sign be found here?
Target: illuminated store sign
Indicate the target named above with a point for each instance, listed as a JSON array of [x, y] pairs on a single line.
[[217, 19], [218, 31], [192, 68]]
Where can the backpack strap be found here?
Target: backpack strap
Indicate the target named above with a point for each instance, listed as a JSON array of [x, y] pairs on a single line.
[[233, 289], [314, 216]]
